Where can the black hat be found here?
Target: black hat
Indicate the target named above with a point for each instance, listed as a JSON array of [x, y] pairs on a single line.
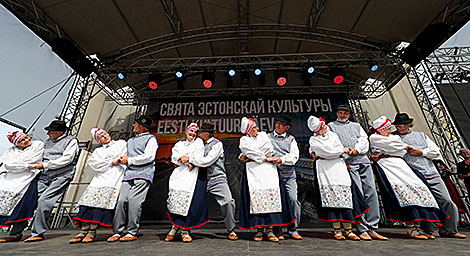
[[284, 119], [343, 107], [56, 126], [207, 127], [145, 121], [402, 118]]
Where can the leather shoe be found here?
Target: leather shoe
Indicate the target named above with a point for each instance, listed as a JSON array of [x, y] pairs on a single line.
[[76, 239], [114, 238], [258, 237], [128, 238], [365, 237], [281, 237], [34, 239], [430, 236], [272, 238], [352, 236], [453, 235], [232, 236], [296, 236], [418, 236], [187, 239], [11, 239], [169, 238], [339, 236], [88, 239], [378, 237]]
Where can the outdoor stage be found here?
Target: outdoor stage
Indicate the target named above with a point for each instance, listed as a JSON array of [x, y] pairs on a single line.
[[211, 240]]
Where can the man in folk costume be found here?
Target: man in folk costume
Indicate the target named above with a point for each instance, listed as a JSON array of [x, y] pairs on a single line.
[[286, 153], [99, 199], [140, 161], [58, 165], [213, 161], [353, 137], [419, 158], [187, 196], [340, 201], [18, 187], [263, 198]]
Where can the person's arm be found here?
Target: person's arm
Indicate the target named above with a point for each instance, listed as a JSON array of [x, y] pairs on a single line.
[[148, 155], [293, 156], [20, 162], [66, 158], [204, 161], [248, 150], [97, 162], [362, 145], [432, 151]]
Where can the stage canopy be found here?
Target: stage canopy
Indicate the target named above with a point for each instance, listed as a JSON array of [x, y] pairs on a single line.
[[164, 36]]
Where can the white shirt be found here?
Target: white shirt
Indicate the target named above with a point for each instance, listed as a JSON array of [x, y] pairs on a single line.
[[149, 152], [432, 151], [391, 145], [293, 156], [327, 146], [256, 148], [66, 158], [204, 161]]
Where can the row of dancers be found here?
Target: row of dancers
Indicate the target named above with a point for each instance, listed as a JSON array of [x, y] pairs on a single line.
[[38, 174]]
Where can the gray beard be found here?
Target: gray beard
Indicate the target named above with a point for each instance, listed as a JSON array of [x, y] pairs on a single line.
[[343, 119]]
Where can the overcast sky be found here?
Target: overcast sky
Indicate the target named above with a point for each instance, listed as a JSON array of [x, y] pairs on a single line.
[[28, 66]]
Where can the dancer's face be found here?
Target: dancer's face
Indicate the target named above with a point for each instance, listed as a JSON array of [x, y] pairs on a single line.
[[343, 115], [24, 142], [191, 134], [54, 134], [203, 135], [138, 128], [254, 131], [402, 128], [105, 138], [385, 132], [281, 127]]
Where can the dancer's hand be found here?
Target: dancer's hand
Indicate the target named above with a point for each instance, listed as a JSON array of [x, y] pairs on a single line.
[[115, 162], [414, 151], [124, 160], [352, 152], [244, 158], [376, 156], [183, 159], [191, 167], [38, 165]]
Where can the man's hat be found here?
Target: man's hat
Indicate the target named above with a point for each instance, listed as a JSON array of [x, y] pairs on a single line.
[[145, 121], [56, 126], [284, 119], [402, 118], [207, 127], [343, 107]]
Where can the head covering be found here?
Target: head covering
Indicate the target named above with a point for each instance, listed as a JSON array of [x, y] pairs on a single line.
[[207, 127], [402, 118], [145, 121], [343, 107], [247, 125], [315, 124], [382, 123], [56, 126], [96, 132], [284, 119], [16, 136], [192, 126]]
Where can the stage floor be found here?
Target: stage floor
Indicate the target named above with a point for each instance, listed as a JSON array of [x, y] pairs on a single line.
[[211, 241]]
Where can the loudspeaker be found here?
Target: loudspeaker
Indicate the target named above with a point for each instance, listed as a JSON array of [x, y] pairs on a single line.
[[70, 53], [425, 43]]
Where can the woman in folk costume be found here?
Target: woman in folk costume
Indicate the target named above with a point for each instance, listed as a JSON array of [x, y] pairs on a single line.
[[341, 200], [264, 200], [187, 200], [99, 199], [18, 187], [405, 193]]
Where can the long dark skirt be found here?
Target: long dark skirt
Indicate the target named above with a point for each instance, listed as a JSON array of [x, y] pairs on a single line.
[[198, 211], [251, 221], [93, 215], [24, 210], [407, 214], [360, 207]]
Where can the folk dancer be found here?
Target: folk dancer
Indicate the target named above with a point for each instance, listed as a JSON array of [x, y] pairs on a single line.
[[100, 197], [419, 158], [353, 137], [18, 186], [405, 193], [264, 201], [187, 199], [213, 161], [140, 161], [58, 168], [286, 153], [340, 199]]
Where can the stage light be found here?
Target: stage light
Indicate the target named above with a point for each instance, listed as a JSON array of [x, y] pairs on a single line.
[[280, 77], [373, 67], [257, 71], [179, 74], [207, 79], [231, 72], [154, 80], [121, 75], [310, 70], [337, 75]]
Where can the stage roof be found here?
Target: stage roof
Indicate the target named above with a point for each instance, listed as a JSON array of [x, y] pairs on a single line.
[[143, 37]]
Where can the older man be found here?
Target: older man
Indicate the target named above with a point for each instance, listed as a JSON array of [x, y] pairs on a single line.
[[419, 158], [58, 165], [463, 168], [217, 185], [352, 136], [140, 161]]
